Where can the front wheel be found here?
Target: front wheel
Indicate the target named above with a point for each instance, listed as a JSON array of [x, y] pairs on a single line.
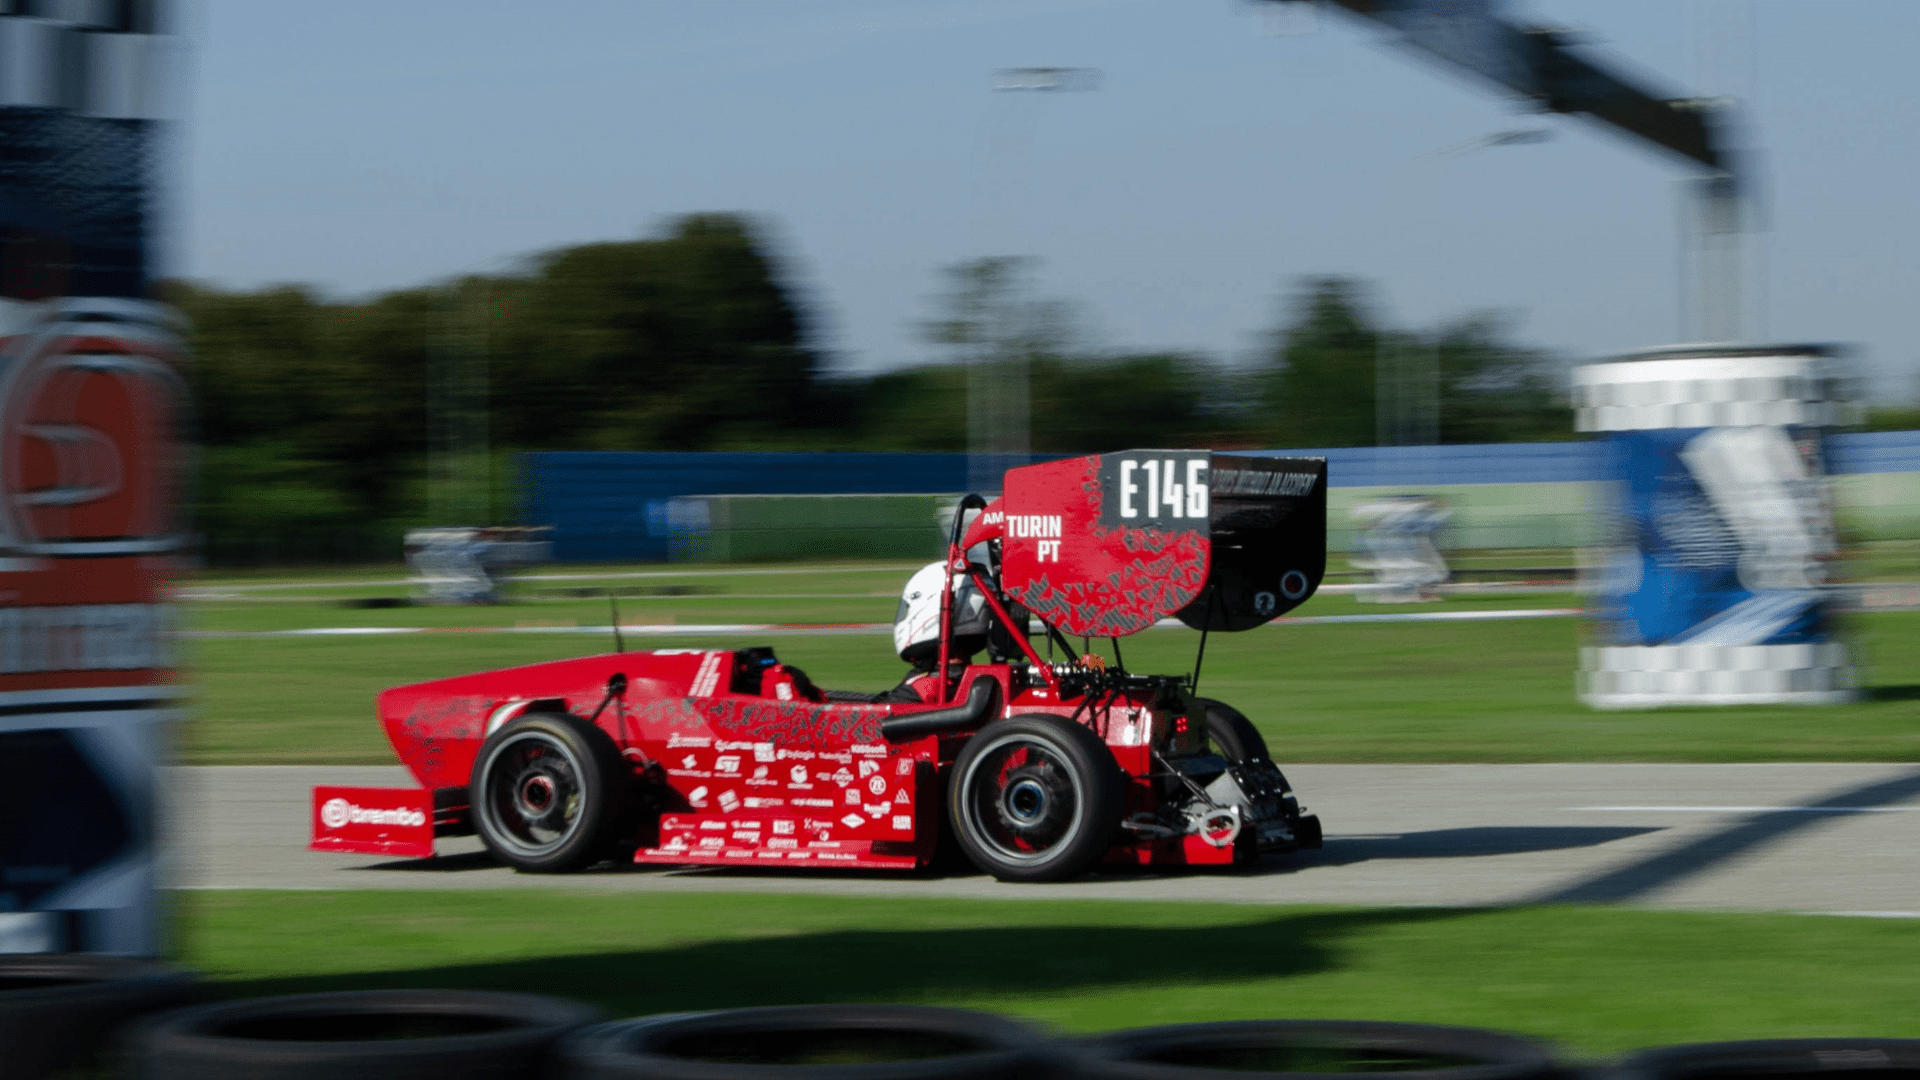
[[550, 794], [1035, 798]]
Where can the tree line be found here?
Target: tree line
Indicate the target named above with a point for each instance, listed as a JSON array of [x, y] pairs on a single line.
[[322, 419]]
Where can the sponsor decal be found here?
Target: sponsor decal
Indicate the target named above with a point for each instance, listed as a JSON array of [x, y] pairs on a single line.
[[868, 767], [1259, 482], [811, 802], [869, 749], [735, 853], [768, 855], [717, 826], [713, 841], [729, 763], [905, 768], [843, 777], [799, 854], [757, 802], [840, 758], [815, 825], [339, 813], [853, 797], [783, 827], [836, 856], [902, 798], [680, 742], [877, 785], [698, 774], [678, 843], [729, 801], [876, 810], [817, 844], [725, 745], [708, 677], [783, 691], [799, 774], [783, 843], [698, 796], [851, 821], [689, 761], [793, 755], [751, 837], [903, 822], [763, 752]]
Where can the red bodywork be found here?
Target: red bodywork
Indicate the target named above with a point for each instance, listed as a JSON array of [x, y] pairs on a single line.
[[749, 764]]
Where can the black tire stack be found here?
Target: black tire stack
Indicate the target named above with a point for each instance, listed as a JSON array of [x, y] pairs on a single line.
[[57, 1010], [813, 1042], [358, 1035], [1313, 1048]]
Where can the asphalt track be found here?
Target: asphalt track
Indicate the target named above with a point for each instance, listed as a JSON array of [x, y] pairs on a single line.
[[1839, 838]]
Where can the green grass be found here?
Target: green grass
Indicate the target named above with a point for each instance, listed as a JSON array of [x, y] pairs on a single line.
[[1393, 692], [1596, 980]]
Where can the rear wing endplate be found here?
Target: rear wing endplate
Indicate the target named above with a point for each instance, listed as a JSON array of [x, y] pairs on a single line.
[[1107, 545]]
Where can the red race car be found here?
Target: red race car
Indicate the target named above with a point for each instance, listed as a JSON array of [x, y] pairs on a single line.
[[1039, 763]]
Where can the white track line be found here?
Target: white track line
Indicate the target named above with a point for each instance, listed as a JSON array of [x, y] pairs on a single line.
[[1747, 809]]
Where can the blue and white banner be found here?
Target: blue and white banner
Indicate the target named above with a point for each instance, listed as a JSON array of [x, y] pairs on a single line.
[[1716, 589]]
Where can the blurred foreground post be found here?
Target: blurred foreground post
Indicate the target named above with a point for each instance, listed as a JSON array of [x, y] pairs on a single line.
[[92, 402], [1714, 590]]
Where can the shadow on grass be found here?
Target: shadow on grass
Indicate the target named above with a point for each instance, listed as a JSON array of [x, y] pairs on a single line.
[[1894, 693], [900, 965]]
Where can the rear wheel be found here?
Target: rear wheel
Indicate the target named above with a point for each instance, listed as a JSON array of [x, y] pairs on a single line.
[[1035, 798], [550, 794], [1233, 735]]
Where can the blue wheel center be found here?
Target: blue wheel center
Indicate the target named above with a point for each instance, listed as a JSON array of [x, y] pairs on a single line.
[[1026, 801]]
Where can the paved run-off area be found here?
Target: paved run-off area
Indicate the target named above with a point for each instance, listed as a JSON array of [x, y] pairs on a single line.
[[1804, 837]]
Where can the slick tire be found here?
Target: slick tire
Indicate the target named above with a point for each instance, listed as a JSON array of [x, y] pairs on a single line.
[[1239, 1051], [57, 1010], [812, 1042], [1762, 1058], [1233, 736], [1035, 798], [550, 794], [361, 1035]]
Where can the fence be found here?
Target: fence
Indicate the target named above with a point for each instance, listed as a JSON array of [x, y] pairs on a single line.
[[607, 506]]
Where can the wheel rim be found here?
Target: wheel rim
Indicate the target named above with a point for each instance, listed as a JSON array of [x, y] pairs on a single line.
[[1022, 799], [531, 794]]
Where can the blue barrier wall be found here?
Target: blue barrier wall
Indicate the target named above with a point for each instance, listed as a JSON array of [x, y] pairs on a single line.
[[614, 505]]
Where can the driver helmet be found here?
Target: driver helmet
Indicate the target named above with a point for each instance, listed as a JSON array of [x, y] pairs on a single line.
[[916, 625]]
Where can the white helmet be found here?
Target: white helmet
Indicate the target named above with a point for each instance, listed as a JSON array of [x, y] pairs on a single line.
[[916, 626]]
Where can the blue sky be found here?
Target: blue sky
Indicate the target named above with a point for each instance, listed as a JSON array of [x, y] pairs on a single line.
[[362, 146]]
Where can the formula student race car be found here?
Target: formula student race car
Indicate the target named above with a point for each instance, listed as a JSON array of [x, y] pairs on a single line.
[[1039, 763]]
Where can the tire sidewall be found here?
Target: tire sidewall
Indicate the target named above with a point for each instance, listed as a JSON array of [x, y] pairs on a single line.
[[1224, 719], [1097, 790], [603, 792]]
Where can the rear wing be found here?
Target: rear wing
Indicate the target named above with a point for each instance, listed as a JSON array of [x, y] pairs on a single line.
[[1108, 545]]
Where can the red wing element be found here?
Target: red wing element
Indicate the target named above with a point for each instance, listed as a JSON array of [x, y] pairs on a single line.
[[1106, 546], [376, 821]]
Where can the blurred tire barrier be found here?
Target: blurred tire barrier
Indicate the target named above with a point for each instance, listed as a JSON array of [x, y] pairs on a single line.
[[1313, 1048], [813, 1042], [57, 1009], [1798, 1059], [360, 1035]]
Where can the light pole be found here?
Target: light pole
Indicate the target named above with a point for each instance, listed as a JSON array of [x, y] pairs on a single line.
[[1406, 371], [999, 409]]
